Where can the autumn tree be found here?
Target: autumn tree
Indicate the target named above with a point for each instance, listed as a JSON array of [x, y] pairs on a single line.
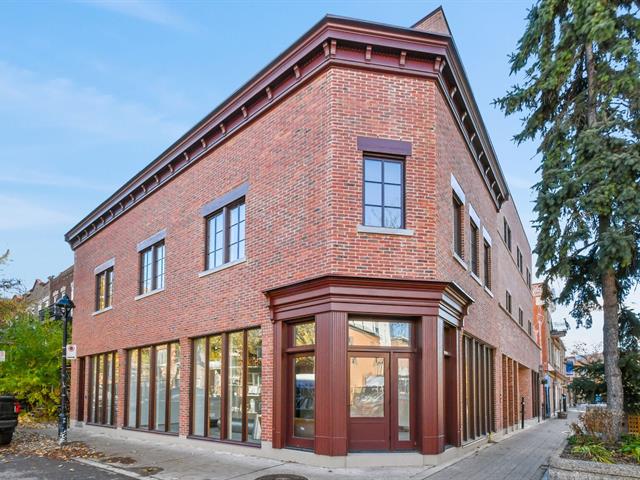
[[580, 97]]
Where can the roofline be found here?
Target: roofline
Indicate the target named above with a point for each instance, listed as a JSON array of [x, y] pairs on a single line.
[[134, 190]]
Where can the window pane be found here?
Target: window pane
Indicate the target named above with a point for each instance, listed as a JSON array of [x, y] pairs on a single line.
[[234, 386], [215, 386], [373, 216], [108, 287], [373, 170], [379, 333], [392, 217], [216, 240], [404, 400], [304, 334], [145, 379], [147, 260], [254, 385], [161, 388], [159, 281], [366, 387], [133, 388], [92, 390], [393, 195], [304, 394], [393, 172], [174, 385], [372, 193], [198, 387], [100, 394], [107, 394]]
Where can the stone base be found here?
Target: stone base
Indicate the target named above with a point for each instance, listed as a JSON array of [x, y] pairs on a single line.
[[568, 469]]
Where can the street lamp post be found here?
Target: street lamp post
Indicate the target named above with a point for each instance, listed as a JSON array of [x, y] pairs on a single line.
[[64, 307]]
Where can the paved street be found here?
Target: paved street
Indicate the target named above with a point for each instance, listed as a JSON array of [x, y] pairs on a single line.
[[38, 468], [522, 456]]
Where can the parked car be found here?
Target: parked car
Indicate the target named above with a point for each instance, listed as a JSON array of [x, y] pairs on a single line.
[[9, 410]]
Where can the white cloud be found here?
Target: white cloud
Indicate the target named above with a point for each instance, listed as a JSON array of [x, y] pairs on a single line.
[[18, 214], [60, 103], [147, 11]]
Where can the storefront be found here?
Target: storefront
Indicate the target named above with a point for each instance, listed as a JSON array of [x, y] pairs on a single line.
[[368, 365]]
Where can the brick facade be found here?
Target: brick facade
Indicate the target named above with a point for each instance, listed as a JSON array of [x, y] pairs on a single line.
[[303, 209]]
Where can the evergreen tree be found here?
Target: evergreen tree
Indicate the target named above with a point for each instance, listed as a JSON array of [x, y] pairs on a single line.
[[581, 100]]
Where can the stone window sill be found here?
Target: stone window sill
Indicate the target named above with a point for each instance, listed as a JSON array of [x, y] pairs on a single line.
[[148, 294], [222, 267], [457, 258], [385, 231], [476, 278], [98, 312], [489, 292]]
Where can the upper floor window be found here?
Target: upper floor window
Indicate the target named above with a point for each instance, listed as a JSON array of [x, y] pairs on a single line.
[[528, 278], [520, 317], [487, 265], [475, 248], [104, 289], [152, 268], [506, 234], [226, 235], [519, 260], [507, 303], [458, 215], [383, 192], [529, 328]]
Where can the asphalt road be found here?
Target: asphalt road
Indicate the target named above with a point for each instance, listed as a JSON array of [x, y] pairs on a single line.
[[38, 468]]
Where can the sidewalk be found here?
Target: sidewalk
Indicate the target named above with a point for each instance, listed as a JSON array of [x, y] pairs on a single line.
[[521, 456]]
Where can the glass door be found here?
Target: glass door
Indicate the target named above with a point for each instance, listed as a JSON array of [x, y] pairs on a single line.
[[369, 401], [402, 427]]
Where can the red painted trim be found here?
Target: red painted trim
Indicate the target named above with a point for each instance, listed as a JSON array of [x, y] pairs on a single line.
[[383, 145]]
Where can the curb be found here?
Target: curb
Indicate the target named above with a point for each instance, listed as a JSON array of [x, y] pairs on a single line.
[[112, 469]]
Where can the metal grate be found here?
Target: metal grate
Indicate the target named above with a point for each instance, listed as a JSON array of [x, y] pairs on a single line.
[[634, 424]]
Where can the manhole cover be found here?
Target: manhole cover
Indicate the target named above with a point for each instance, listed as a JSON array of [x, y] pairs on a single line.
[[282, 476]]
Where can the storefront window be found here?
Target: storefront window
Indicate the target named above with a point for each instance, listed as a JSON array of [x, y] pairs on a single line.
[[304, 396], [231, 376], [153, 393], [102, 391], [366, 332], [304, 334]]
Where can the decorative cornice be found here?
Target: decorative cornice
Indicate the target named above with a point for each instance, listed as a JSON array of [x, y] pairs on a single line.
[[334, 41]]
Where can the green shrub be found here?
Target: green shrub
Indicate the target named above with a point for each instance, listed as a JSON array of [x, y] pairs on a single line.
[[593, 451], [631, 446]]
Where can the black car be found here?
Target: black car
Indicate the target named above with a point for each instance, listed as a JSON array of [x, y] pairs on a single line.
[[9, 410]]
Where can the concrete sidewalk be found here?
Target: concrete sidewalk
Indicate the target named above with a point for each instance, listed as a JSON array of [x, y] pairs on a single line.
[[522, 455]]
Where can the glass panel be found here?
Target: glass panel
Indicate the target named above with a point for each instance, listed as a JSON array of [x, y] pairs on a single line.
[[393, 172], [304, 395], [372, 193], [116, 362], [373, 216], [235, 400], [174, 388], [159, 283], [100, 395], [92, 387], [304, 334], [236, 232], [161, 388], [147, 260], [215, 386], [366, 387], [216, 240], [404, 402], [392, 217], [107, 394], [254, 383], [373, 170], [145, 378], [101, 291], [198, 387], [133, 388], [392, 196], [109, 288], [379, 333]]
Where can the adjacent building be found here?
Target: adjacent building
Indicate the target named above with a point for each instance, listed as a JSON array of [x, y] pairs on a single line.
[[329, 263], [44, 294], [554, 376]]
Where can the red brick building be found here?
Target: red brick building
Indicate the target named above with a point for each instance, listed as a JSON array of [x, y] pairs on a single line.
[[329, 261]]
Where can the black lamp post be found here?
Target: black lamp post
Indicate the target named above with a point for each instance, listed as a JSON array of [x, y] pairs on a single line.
[[63, 309]]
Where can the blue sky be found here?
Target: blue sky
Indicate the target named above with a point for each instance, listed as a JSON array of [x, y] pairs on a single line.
[[91, 91]]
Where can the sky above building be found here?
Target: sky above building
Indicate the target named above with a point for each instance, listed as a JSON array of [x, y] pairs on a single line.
[[92, 91]]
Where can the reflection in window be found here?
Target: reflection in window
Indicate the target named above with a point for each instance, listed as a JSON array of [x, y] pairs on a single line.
[[254, 385], [161, 387], [404, 400], [215, 386], [174, 388], [304, 396], [145, 386], [102, 391], [235, 380], [379, 333], [366, 387], [133, 388], [198, 386], [304, 334]]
